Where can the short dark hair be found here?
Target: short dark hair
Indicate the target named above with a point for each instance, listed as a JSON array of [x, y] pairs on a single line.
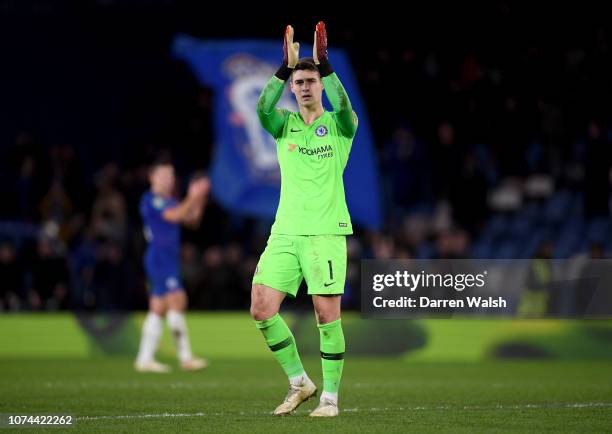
[[162, 160], [306, 64]]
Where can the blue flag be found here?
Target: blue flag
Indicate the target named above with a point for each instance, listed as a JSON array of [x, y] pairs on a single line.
[[244, 173]]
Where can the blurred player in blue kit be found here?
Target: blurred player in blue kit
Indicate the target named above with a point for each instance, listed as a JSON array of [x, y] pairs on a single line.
[[162, 215]]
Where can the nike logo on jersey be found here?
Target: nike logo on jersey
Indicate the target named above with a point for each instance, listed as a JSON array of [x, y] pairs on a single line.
[[293, 130], [328, 284]]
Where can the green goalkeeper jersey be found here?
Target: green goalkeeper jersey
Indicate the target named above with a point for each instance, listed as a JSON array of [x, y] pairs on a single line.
[[312, 159]]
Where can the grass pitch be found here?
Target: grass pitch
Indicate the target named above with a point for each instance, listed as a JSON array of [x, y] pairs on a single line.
[[377, 395]]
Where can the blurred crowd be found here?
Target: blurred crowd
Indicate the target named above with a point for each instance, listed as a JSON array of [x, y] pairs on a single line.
[[491, 149]]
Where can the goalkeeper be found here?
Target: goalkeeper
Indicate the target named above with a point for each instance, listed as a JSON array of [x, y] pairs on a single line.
[[308, 238]]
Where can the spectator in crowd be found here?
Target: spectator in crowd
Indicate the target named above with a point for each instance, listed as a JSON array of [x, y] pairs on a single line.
[[11, 276], [109, 214], [111, 284], [50, 281], [598, 159]]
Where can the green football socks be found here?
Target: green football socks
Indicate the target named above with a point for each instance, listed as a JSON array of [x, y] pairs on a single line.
[[282, 343], [332, 354]]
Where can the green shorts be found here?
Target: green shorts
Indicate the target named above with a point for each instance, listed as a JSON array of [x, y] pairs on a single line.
[[287, 259]]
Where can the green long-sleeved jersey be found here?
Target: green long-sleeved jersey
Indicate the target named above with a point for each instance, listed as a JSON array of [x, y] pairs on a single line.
[[312, 159]]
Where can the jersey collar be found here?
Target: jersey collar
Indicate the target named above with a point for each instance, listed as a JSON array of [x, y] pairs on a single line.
[[314, 121]]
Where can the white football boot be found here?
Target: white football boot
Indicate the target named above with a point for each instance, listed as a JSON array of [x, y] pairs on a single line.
[[152, 366], [295, 396], [194, 364], [326, 408]]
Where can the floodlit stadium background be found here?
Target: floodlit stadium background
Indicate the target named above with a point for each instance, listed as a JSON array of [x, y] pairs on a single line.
[[492, 133]]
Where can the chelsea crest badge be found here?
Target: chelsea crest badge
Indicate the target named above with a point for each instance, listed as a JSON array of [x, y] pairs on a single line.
[[321, 131]]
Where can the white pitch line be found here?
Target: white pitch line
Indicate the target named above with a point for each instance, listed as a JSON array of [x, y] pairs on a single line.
[[361, 410], [145, 416], [486, 407]]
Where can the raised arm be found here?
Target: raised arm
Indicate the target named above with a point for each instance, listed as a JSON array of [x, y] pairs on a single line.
[[343, 110], [272, 118], [189, 210], [194, 218]]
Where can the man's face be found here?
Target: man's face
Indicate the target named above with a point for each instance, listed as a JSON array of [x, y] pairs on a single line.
[[162, 179], [307, 87]]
